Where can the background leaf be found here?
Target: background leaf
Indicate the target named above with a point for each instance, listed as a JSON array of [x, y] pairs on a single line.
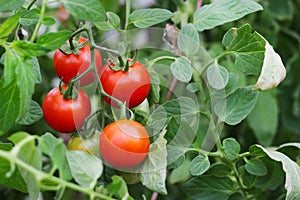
[[220, 12], [266, 110], [32, 156], [209, 188], [86, 175], [24, 48], [118, 188], [56, 150], [217, 76], [182, 69], [231, 148], [33, 115], [154, 172], [15, 181], [188, 40], [199, 165], [10, 5], [237, 106], [10, 105], [54, 40], [292, 170], [91, 10], [248, 49], [256, 167], [10, 24], [144, 18]]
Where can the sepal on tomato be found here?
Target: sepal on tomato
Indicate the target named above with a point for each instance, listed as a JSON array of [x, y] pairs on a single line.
[[71, 92]]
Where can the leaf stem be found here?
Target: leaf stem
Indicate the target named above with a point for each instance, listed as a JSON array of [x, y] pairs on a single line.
[[31, 4], [38, 25], [128, 4], [40, 175]]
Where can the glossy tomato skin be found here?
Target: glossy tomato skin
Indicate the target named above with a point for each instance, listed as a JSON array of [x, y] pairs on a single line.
[[124, 144], [65, 115], [90, 145], [130, 86], [68, 66]]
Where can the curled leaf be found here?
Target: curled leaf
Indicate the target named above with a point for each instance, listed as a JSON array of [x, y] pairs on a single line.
[[273, 71]]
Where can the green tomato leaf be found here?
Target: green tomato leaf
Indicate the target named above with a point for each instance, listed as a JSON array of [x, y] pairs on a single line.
[[221, 12], [233, 79], [209, 188], [25, 70], [155, 85], [238, 105], [24, 48], [274, 178], [273, 71], [199, 165], [10, 5], [219, 170], [15, 181], [193, 87], [48, 21], [144, 18], [181, 174], [56, 150], [85, 174], [183, 136], [182, 69], [10, 105], [154, 172], [35, 114], [188, 40], [32, 156], [266, 110], [112, 23], [91, 10], [281, 10], [54, 40], [248, 49], [118, 188], [113, 19], [30, 17], [291, 169], [231, 148], [256, 167], [10, 24], [217, 76]]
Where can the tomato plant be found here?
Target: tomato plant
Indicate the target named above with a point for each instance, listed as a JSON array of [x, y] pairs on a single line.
[[65, 115], [131, 86], [67, 66], [124, 143]]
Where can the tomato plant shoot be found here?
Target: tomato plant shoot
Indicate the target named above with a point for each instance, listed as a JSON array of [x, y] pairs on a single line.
[[65, 115], [124, 143]]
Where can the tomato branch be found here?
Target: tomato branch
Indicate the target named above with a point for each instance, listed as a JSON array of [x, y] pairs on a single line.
[[38, 25]]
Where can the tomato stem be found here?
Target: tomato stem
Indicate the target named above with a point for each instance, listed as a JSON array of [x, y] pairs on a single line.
[[41, 18]]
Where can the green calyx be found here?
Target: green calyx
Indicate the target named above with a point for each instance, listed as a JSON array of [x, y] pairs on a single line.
[[70, 93]]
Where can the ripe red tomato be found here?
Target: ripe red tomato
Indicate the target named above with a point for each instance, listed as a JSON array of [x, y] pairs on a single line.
[[130, 86], [65, 115], [124, 143], [68, 66]]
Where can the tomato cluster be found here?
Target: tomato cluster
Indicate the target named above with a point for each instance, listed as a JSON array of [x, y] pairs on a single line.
[[123, 143]]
